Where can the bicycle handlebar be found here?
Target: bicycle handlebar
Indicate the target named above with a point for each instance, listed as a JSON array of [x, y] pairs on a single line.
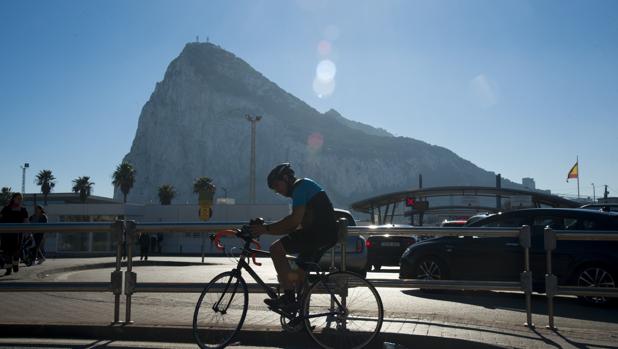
[[243, 233]]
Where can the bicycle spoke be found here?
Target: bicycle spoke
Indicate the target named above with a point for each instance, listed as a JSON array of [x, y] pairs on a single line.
[[344, 311], [220, 311]]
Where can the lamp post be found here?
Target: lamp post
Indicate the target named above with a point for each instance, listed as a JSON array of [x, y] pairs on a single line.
[[23, 177], [253, 120], [594, 199]]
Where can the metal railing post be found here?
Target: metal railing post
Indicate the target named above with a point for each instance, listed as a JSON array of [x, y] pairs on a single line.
[[551, 281], [117, 229], [525, 240], [343, 226], [130, 278]]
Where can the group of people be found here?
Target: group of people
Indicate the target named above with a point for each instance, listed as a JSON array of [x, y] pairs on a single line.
[[14, 245]]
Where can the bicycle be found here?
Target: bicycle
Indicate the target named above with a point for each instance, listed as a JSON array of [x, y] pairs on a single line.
[[327, 304]]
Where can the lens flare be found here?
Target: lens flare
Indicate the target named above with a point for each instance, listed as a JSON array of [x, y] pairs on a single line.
[[323, 88], [315, 141], [324, 48], [326, 70]]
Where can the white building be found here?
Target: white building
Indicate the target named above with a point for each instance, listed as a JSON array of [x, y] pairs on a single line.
[[66, 207]]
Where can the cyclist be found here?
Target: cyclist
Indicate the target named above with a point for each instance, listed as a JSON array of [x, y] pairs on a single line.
[[309, 230]]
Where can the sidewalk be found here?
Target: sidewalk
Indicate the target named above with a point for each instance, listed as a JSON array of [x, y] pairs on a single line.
[[167, 317]]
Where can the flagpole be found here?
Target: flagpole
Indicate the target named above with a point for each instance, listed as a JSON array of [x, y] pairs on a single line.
[[577, 162]]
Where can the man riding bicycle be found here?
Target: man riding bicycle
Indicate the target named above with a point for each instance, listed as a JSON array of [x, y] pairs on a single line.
[[309, 230]]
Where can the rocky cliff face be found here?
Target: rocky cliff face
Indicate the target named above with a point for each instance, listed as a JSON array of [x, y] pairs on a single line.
[[194, 125]]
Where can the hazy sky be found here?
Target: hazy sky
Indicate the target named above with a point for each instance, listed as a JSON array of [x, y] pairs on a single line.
[[517, 87]]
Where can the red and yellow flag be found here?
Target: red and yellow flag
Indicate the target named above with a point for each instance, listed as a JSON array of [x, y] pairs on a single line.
[[574, 172]]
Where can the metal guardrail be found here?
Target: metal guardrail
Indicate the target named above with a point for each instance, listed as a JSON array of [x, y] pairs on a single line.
[[115, 285], [523, 234], [126, 232], [552, 288]]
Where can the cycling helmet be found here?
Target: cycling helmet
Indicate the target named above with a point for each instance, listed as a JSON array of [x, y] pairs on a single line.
[[278, 172]]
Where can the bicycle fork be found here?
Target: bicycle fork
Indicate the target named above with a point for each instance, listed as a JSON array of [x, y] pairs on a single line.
[[215, 307]]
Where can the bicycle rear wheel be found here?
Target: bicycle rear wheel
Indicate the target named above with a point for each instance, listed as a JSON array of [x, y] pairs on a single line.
[[220, 310], [343, 310]]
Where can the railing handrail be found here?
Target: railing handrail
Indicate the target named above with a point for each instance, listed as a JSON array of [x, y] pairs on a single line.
[[437, 231], [85, 227]]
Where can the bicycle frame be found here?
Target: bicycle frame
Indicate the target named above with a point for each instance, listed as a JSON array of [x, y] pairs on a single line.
[[243, 264]]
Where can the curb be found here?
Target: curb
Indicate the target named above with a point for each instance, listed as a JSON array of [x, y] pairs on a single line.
[[246, 337]]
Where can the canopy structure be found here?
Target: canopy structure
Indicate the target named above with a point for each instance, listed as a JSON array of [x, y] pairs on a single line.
[[455, 201]]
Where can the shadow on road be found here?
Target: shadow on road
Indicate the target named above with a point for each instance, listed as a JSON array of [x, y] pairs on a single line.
[[567, 307]]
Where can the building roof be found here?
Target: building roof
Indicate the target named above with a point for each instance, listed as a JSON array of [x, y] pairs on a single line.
[[68, 198], [538, 198]]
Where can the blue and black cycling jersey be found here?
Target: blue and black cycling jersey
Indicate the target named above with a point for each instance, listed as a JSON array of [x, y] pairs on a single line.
[[319, 218]]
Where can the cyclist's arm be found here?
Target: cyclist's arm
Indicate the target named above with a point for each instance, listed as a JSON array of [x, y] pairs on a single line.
[[287, 224]]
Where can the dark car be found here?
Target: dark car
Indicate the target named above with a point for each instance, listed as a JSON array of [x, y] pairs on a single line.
[[582, 263], [602, 207], [386, 249]]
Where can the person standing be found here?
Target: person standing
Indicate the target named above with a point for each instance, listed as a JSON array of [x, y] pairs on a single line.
[[12, 213], [144, 244], [39, 216]]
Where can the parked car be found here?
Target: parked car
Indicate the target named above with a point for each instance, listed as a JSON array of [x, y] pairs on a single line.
[[356, 251], [453, 223], [602, 207], [581, 263], [386, 249]]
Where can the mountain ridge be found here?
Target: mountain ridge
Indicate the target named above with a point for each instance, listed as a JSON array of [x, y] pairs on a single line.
[[193, 124]]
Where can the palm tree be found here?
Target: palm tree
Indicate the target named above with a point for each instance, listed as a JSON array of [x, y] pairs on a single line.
[[203, 184], [45, 179], [83, 186], [124, 177], [5, 195], [166, 194]]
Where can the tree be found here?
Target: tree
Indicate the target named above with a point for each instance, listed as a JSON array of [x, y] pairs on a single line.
[[83, 186], [46, 180], [5, 196], [203, 183], [166, 194], [124, 177]]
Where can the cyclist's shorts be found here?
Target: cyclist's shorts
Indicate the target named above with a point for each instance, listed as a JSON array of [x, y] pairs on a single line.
[[308, 245]]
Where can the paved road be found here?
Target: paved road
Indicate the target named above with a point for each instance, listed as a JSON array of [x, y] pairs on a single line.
[[489, 317]]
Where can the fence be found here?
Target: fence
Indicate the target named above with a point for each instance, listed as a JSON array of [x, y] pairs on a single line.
[[126, 231], [551, 281], [523, 234]]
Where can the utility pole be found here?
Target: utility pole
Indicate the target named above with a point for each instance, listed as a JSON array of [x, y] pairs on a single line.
[[253, 120], [594, 199], [23, 178]]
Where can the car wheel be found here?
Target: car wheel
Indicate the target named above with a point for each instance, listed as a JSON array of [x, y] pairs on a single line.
[[595, 276], [430, 268]]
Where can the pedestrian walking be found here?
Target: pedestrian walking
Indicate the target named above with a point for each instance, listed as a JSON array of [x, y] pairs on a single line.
[[144, 246], [11, 243], [39, 216]]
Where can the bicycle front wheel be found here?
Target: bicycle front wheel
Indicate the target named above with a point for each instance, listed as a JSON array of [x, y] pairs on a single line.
[[343, 310], [220, 310]]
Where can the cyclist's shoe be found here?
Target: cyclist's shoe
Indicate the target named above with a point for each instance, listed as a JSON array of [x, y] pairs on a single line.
[[285, 303]]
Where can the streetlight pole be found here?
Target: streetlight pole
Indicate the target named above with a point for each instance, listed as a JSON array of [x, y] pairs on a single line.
[[23, 177], [253, 120], [594, 199]]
